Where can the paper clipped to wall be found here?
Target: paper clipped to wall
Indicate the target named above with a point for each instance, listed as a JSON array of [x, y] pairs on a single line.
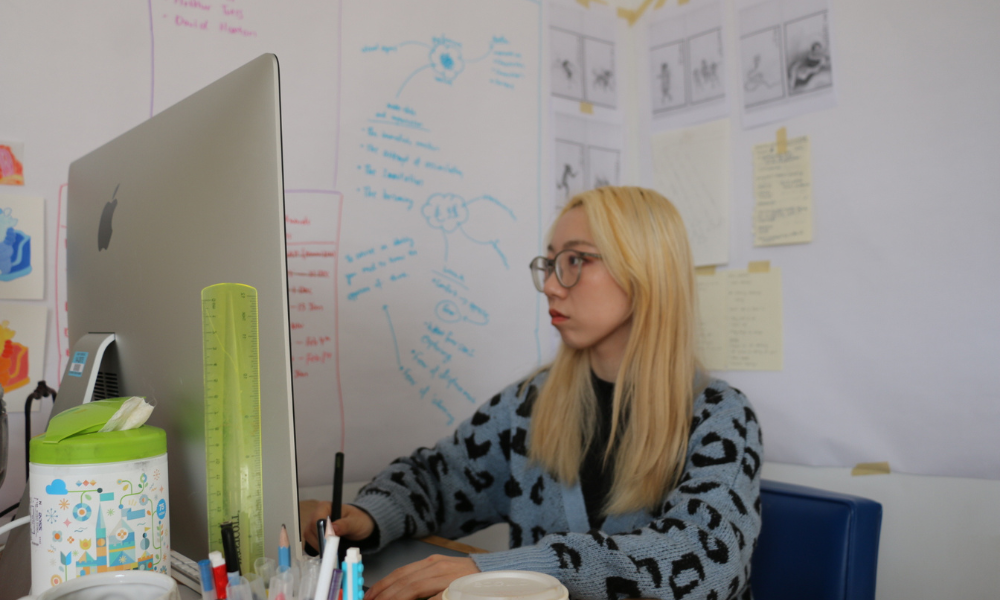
[[740, 319], [687, 70], [22, 248], [11, 167], [786, 59], [584, 67], [782, 190], [587, 154], [23, 330], [691, 168]]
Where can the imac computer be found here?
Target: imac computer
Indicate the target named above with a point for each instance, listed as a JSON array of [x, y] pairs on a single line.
[[191, 198]]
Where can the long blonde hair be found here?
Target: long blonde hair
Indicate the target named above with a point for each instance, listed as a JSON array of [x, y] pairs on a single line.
[[642, 241]]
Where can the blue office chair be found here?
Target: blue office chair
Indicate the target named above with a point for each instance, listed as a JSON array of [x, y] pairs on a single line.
[[815, 545]]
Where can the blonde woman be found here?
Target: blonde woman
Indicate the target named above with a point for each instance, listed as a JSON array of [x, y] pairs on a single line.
[[622, 469]]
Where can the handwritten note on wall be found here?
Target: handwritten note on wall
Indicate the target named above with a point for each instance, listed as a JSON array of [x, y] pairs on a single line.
[[740, 320], [782, 190]]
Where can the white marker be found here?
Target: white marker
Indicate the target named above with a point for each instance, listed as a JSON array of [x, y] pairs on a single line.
[[329, 562]]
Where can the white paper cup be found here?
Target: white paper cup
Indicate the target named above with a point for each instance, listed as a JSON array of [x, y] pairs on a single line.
[[504, 585]]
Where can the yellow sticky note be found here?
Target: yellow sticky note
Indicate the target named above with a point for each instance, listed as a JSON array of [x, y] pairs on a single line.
[[739, 321], [587, 108], [759, 266], [709, 270], [875, 468], [782, 141]]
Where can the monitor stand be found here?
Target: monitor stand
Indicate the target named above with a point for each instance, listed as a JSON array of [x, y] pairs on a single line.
[[77, 387]]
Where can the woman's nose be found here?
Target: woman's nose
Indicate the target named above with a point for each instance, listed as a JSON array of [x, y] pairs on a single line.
[[553, 287]]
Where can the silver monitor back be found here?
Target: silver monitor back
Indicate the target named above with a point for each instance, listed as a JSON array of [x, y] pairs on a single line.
[[196, 195]]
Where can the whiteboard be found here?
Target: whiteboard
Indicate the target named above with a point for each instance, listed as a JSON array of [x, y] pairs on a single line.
[[891, 328]]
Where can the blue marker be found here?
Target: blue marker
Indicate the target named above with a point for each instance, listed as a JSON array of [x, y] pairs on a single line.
[[207, 585], [353, 581]]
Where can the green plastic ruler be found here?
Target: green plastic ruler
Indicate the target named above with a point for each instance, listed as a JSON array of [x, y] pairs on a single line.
[[232, 417]]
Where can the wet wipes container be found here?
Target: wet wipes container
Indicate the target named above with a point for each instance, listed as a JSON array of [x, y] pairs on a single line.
[[99, 498]]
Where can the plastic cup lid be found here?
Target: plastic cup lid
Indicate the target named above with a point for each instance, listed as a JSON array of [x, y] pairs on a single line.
[[503, 585]]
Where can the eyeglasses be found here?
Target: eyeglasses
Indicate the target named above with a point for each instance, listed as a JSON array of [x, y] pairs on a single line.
[[566, 265]]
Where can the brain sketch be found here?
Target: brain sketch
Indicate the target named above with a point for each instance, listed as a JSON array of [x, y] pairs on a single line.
[[450, 212], [446, 212], [446, 59]]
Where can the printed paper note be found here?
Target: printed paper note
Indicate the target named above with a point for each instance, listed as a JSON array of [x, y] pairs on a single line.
[[740, 323], [782, 193], [691, 168]]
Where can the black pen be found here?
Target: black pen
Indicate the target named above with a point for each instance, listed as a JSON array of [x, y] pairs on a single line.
[[338, 486], [231, 549], [321, 532]]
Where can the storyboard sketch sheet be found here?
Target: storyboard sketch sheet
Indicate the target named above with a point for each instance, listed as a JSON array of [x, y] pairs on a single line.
[[584, 60], [687, 66], [786, 64]]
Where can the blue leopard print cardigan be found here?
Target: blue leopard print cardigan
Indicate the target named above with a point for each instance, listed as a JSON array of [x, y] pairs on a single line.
[[696, 544]]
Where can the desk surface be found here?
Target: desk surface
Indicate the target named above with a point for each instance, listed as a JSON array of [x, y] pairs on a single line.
[[397, 554]]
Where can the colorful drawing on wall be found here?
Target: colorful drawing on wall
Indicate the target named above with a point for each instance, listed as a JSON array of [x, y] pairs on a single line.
[[22, 247], [11, 169], [22, 351]]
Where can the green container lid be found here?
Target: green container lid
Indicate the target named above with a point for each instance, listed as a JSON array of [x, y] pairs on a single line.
[[73, 438]]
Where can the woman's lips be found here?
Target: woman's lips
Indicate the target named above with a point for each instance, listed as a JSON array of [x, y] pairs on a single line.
[[557, 317]]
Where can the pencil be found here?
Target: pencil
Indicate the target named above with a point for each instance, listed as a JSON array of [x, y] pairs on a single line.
[[284, 552]]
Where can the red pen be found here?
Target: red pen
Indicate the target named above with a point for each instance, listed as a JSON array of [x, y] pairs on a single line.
[[219, 574]]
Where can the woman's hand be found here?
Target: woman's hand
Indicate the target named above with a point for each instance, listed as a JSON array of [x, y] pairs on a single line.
[[354, 523], [427, 578]]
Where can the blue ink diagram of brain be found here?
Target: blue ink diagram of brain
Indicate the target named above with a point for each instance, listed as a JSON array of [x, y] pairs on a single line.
[[451, 214], [446, 60]]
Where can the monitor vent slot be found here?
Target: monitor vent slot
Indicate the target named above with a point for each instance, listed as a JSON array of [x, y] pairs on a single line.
[[106, 386]]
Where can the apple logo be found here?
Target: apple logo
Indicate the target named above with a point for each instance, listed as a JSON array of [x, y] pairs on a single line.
[[104, 230]]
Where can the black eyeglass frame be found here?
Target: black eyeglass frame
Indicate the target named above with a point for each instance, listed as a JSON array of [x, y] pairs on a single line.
[[548, 266]]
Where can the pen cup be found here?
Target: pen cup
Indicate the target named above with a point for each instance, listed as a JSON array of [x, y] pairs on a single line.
[[281, 588], [293, 577], [242, 591], [256, 583], [310, 576], [266, 568]]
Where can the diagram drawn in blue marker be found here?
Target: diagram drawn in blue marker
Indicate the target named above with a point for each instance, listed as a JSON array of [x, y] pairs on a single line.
[[450, 212], [445, 58]]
